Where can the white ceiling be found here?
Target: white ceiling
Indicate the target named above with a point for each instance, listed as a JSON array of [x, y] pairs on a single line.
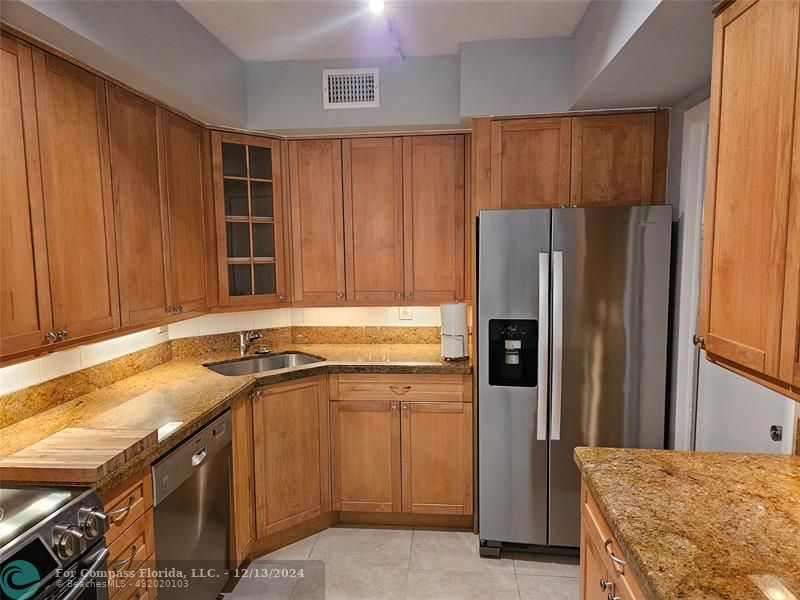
[[313, 29]]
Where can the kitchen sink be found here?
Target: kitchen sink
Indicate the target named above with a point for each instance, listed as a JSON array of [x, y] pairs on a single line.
[[247, 366]]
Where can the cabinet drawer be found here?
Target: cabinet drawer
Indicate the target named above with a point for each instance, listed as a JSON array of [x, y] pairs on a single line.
[[130, 503], [139, 587], [424, 388], [130, 550]]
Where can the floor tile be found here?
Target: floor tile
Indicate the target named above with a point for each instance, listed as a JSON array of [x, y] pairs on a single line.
[[356, 583], [536, 587], [363, 547], [452, 585], [453, 551], [547, 564], [300, 550]]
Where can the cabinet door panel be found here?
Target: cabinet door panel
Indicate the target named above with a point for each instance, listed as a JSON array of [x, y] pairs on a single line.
[[315, 170], [434, 213], [437, 457], [183, 150], [530, 163], [365, 453], [373, 205], [291, 454], [135, 129], [747, 194], [242, 473], [593, 571], [612, 159], [71, 107], [25, 314]]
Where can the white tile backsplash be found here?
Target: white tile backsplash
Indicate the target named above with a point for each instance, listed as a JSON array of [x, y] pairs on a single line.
[[54, 365]]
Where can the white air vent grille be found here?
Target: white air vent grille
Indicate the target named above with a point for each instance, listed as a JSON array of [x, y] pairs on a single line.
[[350, 88]]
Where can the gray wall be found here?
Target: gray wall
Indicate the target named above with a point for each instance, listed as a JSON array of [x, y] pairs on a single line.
[[515, 76], [154, 46], [287, 95]]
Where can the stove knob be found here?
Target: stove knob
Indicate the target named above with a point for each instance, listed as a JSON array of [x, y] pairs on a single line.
[[67, 540], [91, 520]]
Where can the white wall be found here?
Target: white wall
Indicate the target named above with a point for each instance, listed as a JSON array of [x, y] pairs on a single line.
[[154, 46], [515, 76], [54, 365], [287, 95]]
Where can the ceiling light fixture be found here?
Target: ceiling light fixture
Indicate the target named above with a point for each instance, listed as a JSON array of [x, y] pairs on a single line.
[[376, 6]]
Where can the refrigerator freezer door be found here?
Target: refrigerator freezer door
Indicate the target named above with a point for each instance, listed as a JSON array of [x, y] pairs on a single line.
[[612, 276], [512, 447]]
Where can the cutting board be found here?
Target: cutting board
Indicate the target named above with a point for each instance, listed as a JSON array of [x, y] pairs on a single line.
[[76, 455]]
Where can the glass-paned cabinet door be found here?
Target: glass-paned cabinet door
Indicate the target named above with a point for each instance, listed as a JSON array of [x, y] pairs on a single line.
[[247, 183]]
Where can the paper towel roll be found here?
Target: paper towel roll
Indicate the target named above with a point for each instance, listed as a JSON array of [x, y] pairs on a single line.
[[454, 330]]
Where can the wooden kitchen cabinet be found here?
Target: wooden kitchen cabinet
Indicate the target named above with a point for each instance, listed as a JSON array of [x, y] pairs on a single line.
[[318, 253], [531, 164], [593, 573], [25, 310], [373, 219], [434, 213], [613, 160], [249, 215], [76, 182], [749, 291], [365, 455], [402, 444], [185, 144], [291, 454], [140, 208], [243, 492]]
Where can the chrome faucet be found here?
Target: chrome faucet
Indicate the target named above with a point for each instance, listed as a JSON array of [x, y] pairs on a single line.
[[246, 339]]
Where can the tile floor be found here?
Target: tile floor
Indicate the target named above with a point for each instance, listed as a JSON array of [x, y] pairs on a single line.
[[386, 563]]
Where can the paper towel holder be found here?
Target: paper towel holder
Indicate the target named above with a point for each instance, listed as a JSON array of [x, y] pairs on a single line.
[[463, 343]]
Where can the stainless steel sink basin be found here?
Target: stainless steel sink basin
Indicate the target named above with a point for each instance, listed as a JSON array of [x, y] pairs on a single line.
[[247, 366]]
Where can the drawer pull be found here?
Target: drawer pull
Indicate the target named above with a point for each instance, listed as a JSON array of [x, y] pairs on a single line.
[[126, 561], [122, 511], [400, 389], [615, 558]]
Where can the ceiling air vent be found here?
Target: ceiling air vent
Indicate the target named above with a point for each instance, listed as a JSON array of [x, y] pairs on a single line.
[[350, 88]]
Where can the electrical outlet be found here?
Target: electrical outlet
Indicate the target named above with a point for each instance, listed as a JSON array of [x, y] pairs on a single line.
[[405, 313]]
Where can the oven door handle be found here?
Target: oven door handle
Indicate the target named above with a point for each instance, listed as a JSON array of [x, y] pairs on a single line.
[[77, 589]]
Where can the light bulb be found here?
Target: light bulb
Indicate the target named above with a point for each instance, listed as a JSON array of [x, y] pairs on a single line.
[[376, 6]]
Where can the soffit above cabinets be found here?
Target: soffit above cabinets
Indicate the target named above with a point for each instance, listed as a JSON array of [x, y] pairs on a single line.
[[292, 30]]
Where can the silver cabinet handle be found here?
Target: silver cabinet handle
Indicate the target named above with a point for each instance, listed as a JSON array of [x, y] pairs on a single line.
[[399, 295], [394, 406], [404, 408], [544, 334], [610, 552], [400, 389], [63, 334], [409, 295], [122, 511], [558, 342], [51, 337], [339, 295], [606, 586], [126, 561]]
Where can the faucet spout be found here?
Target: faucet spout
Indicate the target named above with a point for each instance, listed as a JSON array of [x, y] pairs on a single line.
[[247, 339]]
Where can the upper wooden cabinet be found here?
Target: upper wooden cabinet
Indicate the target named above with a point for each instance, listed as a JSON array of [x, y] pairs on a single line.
[[749, 300], [434, 218], [76, 181], [373, 218], [530, 162], [249, 215], [608, 159], [184, 147], [315, 173], [25, 311], [136, 129]]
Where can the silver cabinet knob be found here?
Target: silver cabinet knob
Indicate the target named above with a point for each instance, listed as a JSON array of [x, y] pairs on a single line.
[[339, 295], [409, 295], [606, 586], [281, 297], [399, 295], [394, 407], [51, 337], [63, 334]]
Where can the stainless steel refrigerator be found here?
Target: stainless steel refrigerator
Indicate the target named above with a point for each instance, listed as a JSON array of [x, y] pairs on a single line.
[[572, 351]]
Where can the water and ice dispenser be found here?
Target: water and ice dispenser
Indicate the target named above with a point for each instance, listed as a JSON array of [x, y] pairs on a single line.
[[513, 352]]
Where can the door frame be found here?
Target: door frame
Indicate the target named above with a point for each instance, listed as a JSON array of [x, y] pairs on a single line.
[[687, 291]]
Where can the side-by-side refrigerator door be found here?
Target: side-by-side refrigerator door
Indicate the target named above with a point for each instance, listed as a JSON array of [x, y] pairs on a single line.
[[610, 280], [513, 316]]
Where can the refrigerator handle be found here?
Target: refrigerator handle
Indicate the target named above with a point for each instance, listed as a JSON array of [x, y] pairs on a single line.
[[558, 342], [543, 345]]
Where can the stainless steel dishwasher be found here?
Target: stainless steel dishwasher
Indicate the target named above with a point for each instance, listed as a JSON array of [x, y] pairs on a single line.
[[191, 499]]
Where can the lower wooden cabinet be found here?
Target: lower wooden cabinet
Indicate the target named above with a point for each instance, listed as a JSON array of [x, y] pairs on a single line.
[[405, 456], [291, 453], [242, 489]]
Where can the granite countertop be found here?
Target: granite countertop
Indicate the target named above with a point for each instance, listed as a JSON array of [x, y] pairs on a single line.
[[701, 525], [182, 391]]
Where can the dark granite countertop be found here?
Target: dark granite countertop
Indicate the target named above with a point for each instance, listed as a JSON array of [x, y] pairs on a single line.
[[702, 525]]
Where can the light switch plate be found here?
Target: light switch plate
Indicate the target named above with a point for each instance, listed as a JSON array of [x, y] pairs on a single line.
[[405, 313]]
